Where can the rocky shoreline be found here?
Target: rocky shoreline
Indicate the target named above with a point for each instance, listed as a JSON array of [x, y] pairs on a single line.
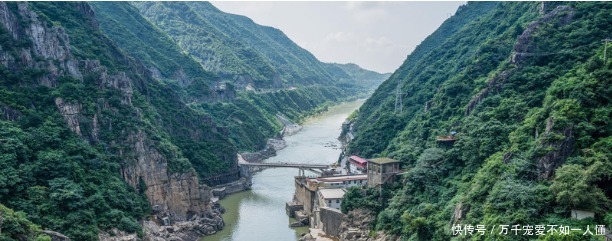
[[209, 222], [155, 229], [273, 144]]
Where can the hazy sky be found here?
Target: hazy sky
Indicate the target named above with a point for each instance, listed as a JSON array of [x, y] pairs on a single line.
[[374, 35]]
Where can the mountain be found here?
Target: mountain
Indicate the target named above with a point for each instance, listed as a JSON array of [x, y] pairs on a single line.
[[249, 116], [235, 47], [109, 122], [366, 78], [147, 44], [89, 137], [526, 90]]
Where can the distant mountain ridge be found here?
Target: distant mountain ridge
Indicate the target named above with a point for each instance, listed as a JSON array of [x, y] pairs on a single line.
[[235, 47]]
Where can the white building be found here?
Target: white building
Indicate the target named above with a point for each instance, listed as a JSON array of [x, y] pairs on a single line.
[[330, 197], [343, 181]]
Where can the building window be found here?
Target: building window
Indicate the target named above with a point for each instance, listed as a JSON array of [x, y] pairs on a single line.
[[337, 200]]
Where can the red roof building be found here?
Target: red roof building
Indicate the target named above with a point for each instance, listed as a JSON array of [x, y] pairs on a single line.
[[358, 162]]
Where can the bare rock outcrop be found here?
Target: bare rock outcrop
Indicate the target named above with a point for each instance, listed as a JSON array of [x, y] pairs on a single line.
[[70, 112], [525, 45], [163, 230], [50, 45], [560, 149], [177, 196], [55, 236], [8, 113], [356, 227]]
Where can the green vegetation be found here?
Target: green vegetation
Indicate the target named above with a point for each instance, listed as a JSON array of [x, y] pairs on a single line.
[[59, 178], [356, 75], [243, 52], [149, 45], [15, 226], [100, 90], [531, 115], [249, 117]]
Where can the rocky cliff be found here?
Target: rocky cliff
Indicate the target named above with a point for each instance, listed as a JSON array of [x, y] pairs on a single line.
[[179, 193]]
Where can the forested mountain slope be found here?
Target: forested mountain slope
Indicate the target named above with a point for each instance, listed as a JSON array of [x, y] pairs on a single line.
[[106, 123], [88, 136], [358, 75], [528, 92], [249, 116], [235, 47], [132, 32]]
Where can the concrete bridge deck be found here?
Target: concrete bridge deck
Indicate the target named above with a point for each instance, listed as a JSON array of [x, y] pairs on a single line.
[[246, 167], [282, 164]]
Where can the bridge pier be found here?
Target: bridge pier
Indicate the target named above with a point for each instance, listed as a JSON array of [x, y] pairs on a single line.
[[245, 171]]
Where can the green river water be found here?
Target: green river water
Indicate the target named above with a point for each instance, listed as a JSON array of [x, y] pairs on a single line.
[[259, 214]]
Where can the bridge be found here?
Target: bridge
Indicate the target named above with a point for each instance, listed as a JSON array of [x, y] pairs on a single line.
[[247, 167]]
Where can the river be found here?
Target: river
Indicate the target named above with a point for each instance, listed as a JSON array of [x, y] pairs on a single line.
[[259, 214]]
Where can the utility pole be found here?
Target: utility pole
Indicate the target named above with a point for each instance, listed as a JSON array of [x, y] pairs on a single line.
[[398, 97], [606, 47]]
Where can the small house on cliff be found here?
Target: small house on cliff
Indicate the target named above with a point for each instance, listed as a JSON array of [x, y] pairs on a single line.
[[382, 171], [358, 164], [331, 197]]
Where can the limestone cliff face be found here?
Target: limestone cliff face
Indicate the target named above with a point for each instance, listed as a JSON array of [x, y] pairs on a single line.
[[173, 196], [176, 195], [70, 112], [50, 48], [559, 149]]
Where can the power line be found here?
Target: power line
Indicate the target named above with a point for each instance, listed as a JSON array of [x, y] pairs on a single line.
[[565, 51]]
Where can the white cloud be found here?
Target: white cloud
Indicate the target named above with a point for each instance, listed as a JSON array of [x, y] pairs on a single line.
[[366, 12], [340, 37], [379, 42], [375, 35]]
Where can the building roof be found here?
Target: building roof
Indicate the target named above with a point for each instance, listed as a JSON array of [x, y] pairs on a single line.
[[358, 159], [332, 193], [446, 138], [383, 160], [343, 178]]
